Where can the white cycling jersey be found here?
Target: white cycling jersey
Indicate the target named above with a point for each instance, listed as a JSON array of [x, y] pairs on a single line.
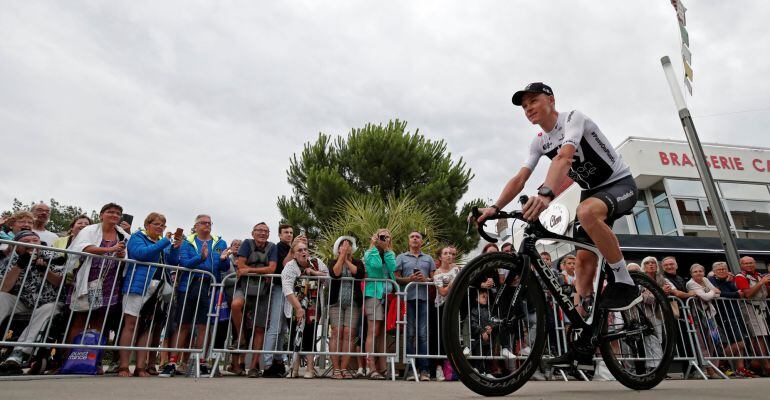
[[595, 163]]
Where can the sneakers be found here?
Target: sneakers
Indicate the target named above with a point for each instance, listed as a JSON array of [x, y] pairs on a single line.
[[169, 370], [743, 372], [409, 375], [424, 376], [440, 374], [204, 369], [619, 296], [276, 370], [360, 373], [507, 353]]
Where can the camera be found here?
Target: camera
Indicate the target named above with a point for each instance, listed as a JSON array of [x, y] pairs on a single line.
[[383, 238]]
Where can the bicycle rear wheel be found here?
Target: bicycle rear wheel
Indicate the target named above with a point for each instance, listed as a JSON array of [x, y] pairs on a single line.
[[638, 344], [507, 359]]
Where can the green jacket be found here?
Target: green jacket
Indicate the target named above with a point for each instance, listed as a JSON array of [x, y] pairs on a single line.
[[377, 269]]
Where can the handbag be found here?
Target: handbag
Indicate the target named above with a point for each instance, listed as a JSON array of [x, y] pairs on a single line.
[[394, 313]]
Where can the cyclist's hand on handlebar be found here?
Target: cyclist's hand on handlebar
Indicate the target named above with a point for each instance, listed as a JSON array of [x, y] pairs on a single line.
[[486, 213], [535, 205]]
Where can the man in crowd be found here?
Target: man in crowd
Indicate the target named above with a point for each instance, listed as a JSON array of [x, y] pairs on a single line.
[[42, 213], [206, 252], [277, 326], [416, 266], [756, 288], [568, 269], [255, 256]]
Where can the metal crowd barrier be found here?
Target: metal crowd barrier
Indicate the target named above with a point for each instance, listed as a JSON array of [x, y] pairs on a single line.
[[730, 330], [39, 299], [243, 339], [498, 349]]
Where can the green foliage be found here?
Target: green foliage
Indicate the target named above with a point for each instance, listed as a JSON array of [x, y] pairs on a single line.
[[62, 215], [381, 162], [361, 216]]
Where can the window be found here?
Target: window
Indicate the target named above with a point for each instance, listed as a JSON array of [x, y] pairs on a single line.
[[685, 188], [744, 191], [749, 215], [621, 226], [690, 212], [642, 218], [665, 217]]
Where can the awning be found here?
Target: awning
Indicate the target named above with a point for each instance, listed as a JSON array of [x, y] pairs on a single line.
[[688, 244]]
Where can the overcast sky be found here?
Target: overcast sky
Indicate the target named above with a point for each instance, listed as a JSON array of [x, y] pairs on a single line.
[[194, 107]]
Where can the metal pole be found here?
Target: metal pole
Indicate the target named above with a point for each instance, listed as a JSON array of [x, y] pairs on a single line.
[[717, 209]]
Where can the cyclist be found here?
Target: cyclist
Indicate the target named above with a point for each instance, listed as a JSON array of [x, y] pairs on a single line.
[[578, 150]]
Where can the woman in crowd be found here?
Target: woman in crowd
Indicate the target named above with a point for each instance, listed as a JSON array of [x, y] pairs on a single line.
[[732, 329], [443, 277], [380, 262], [19, 221], [95, 294], [345, 298], [142, 286], [302, 299], [705, 324], [652, 343], [77, 224]]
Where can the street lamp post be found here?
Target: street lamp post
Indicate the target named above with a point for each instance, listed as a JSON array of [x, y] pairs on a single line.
[[718, 211]]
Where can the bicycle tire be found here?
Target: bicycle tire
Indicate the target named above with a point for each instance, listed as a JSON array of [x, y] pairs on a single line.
[[478, 382], [668, 337]]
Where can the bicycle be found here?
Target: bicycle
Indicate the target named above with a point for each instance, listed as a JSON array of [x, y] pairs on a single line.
[[637, 344]]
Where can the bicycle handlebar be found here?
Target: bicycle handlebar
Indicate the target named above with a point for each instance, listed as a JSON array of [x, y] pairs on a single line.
[[476, 213]]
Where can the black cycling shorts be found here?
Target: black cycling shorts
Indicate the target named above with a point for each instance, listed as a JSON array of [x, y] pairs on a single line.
[[619, 196]]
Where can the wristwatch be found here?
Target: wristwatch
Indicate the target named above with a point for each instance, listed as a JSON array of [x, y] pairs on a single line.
[[545, 191]]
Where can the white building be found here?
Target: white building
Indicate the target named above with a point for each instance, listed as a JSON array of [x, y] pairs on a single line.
[[672, 215]]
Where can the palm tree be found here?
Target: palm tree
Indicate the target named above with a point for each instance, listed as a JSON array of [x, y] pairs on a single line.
[[362, 215]]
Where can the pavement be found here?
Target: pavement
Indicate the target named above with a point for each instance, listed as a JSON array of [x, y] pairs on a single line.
[[114, 388]]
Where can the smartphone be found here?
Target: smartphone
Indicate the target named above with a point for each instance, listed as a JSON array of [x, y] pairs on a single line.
[[178, 234], [128, 218]]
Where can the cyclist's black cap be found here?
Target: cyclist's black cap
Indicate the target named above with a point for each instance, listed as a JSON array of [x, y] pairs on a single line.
[[534, 87]]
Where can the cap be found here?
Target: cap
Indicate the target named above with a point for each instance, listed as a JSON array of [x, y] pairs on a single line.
[[535, 87]]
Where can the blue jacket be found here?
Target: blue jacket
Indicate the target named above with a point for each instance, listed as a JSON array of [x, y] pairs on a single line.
[[190, 257], [141, 248]]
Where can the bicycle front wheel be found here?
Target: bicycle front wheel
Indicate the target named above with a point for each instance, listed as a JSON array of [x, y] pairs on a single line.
[[638, 344], [495, 347]]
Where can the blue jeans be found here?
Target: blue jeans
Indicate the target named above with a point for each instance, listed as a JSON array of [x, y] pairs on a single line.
[[276, 328], [417, 309]]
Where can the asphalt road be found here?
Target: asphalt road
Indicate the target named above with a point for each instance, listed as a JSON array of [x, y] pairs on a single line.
[[113, 388]]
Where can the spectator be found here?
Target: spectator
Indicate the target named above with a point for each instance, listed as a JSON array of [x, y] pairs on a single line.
[[652, 343], [380, 262], [77, 224], [705, 314], [443, 278], [416, 266], [732, 329], [95, 295], [677, 286], [19, 221], [487, 279], [755, 288], [276, 326], [345, 298], [42, 213], [30, 284], [634, 267], [235, 245], [5, 228], [568, 269], [482, 333], [141, 287], [201, 251], [507, 247], [255, 256], [304, 296]]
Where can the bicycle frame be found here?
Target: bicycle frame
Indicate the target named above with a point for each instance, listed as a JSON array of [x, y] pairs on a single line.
[[531, 257]]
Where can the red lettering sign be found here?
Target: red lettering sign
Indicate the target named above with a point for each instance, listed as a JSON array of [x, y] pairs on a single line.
[[686, 160], [664, 158], [757, 163]]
